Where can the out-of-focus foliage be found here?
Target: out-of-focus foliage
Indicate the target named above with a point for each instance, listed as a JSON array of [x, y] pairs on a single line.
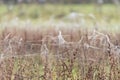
[[57, 1], [47, 11]]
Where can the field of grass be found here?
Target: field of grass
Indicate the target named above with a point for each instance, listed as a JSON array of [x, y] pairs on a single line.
[[42, 42]]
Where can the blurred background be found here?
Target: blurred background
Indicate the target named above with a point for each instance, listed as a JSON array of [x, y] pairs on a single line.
[[92, 12], [59, 1]]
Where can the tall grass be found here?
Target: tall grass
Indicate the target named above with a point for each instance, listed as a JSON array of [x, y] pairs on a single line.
[[51, 53], [73, 44]]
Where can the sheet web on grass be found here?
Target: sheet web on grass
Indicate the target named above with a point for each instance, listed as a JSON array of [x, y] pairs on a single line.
[[12, 46]]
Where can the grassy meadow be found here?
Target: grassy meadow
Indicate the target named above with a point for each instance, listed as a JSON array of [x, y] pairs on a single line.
[[59, 42]]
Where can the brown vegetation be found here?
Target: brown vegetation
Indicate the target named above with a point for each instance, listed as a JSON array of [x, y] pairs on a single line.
[[67, 54]]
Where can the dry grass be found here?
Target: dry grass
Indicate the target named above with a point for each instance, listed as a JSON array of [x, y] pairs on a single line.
[[64, 54]]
